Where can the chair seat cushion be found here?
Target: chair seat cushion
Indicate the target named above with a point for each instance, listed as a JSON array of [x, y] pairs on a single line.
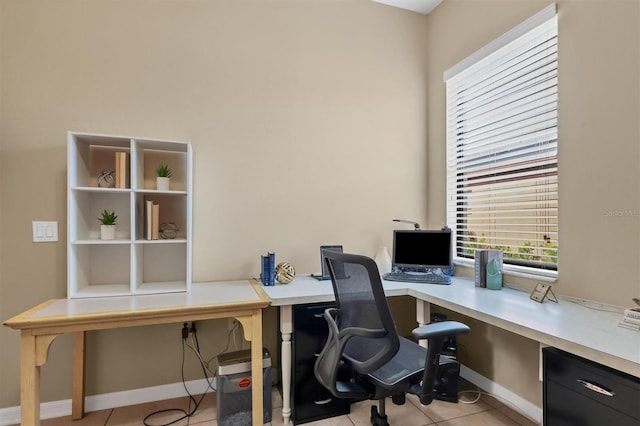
[[407, 363]]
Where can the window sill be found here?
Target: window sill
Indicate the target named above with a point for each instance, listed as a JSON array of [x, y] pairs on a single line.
[[517, 271]]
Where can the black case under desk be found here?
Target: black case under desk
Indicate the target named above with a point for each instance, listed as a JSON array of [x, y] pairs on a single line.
[[310, 400], [579, 392]]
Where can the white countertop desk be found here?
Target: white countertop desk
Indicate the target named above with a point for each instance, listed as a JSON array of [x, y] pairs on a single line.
[[573, 327], [39, 326]]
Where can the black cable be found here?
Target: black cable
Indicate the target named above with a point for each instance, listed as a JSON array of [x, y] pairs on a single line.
[[191, 397], [185, 334], [202, 364]]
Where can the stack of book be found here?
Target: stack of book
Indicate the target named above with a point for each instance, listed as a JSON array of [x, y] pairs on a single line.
[[630, 319], [488, 269], [268, 271], [151, 220], [122, 172]]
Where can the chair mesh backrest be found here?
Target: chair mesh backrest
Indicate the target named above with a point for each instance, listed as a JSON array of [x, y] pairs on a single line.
[[361, 303]]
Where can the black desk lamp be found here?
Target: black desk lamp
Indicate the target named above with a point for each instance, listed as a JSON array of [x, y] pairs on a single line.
[[416, 225]]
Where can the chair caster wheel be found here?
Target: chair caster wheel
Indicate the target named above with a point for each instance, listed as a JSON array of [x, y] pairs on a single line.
[[377, 419], [399, 399]]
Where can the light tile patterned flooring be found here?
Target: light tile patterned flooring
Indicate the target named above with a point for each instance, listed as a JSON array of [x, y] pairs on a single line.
[[488, 411]]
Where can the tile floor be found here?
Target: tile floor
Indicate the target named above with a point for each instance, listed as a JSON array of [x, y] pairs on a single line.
[[488, 411]]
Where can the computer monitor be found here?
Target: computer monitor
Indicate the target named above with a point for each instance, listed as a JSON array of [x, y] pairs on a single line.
[[422, 249]]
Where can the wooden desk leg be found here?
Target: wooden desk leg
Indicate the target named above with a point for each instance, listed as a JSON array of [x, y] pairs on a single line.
[[252, 326], [256, 370], [29, 381], [77, 388], [423, 317], [285, 361], [33, 355]]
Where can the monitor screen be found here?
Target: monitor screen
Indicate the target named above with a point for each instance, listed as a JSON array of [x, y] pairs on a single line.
[[422, 249]]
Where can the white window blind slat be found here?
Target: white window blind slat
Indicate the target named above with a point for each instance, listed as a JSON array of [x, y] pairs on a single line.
[[525, 74], [529, 65], [502, 130], [523, 30]]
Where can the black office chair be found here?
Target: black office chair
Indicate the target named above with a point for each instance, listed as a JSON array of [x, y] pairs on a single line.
[[364, 358]]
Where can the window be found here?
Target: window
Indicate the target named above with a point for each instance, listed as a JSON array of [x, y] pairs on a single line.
[[502, 136]]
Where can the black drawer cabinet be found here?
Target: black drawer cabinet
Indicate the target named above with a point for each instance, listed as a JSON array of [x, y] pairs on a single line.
[[579, 392], [311, 401]]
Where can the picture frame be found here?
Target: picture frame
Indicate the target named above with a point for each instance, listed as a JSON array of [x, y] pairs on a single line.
[[541, 291]]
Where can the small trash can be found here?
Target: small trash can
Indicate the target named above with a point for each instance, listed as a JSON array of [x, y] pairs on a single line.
[[233, 388]]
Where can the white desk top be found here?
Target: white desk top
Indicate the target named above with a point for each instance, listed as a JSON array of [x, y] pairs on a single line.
[[202, 297], [587, 332]]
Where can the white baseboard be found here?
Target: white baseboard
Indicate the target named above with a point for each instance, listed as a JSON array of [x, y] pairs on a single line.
[[48, 410], [510, 399]]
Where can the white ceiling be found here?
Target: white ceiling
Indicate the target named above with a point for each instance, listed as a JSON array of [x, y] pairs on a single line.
[[420, 6]]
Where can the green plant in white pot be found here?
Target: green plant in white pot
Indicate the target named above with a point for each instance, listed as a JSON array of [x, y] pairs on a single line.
[[163, 177], [108, 220]]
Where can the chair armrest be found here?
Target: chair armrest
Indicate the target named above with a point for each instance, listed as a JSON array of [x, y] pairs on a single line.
[[330, 315], [440, 329], [435, 333]]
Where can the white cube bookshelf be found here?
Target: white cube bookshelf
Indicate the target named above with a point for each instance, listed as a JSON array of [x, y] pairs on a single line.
[[130, 264]]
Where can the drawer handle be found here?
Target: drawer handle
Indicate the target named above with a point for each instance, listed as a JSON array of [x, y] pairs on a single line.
[[318, 315], [322, 402], [596, 387]]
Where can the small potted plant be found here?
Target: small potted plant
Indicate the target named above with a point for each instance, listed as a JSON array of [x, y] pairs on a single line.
[[163, 177], [108, 221]]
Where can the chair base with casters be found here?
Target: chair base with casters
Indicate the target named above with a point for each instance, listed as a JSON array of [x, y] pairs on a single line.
[[408, 366], [364, 358]]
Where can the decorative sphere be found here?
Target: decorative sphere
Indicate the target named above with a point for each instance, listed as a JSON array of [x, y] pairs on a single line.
[[106, 180], [285, 272]]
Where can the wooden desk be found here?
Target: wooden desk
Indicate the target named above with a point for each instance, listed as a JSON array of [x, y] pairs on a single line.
[[39, 326], [573, 327]]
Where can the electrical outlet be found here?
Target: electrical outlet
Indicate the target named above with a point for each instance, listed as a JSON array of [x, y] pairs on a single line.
[[184, 331]]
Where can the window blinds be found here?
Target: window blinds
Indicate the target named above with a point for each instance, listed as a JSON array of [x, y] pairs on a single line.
[[502, 130]]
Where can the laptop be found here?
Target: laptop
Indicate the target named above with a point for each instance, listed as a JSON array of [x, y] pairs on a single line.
[[323, 264]]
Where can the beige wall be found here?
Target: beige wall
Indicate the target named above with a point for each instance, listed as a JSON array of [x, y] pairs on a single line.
[[328, 103], [307, 120], [599, 157]]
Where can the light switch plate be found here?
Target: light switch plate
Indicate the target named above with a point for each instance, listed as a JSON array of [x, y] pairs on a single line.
[[45, 232]]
